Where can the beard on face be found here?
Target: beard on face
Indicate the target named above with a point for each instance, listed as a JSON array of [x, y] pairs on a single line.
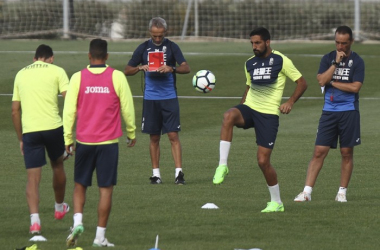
[[260, 54]]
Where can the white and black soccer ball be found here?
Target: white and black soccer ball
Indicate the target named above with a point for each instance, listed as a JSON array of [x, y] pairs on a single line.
[[204, 81]]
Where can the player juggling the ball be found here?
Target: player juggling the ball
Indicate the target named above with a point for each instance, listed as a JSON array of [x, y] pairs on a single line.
[[260, 107], [96, 97]]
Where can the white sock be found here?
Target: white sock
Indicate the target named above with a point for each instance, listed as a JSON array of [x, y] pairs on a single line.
[[308, 189], [342, 190], [100, 233], [177, 170], [224, 150], [77, 219], [156, 172], [35, 218], [275, 193], [59, 207]]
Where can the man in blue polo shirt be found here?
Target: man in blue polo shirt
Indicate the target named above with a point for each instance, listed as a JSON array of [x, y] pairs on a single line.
[[158, 58], [341, 75]]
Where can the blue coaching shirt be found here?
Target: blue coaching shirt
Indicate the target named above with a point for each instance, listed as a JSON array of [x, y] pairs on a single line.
[[350, 69], [158, 86]]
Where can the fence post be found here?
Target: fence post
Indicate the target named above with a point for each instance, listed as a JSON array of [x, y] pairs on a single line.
[[186, 19], [357, 21], [65, 19]]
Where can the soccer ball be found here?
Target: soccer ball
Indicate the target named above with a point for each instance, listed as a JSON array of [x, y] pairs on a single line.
[[204, 81]]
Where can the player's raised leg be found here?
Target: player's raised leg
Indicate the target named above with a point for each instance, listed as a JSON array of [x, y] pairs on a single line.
[[231, 118], [59, 186]]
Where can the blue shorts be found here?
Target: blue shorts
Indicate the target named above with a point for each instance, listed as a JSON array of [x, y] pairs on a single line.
[[266, 125], [160, 116], [103, 158], [35, 144], [345, 125]]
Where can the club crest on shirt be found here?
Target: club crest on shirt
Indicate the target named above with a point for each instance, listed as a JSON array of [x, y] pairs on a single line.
[[164, 49], [271, 61], [350, 63]]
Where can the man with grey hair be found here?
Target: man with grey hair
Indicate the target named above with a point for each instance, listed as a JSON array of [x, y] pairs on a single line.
[[160, 60], [158, 22]]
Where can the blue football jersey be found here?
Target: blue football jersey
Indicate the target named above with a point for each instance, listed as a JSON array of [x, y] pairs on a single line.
[[350, 69], [158, 86]]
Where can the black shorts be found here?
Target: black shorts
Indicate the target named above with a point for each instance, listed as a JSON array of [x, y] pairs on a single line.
[[35, 144], [344, 125], [266, 125], [160, 116], [103, 158]]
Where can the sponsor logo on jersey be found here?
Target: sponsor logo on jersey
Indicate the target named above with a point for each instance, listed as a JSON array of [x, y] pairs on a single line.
[[341, 74], [262, 73], [97, 89]]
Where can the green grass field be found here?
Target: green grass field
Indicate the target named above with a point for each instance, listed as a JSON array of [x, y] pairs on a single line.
[[141, 211]]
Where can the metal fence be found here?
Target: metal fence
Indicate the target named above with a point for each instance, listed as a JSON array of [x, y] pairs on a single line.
[[224, 19]]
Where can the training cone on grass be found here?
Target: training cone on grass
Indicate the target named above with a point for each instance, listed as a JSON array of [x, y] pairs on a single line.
[[210, 206], [37, 238]]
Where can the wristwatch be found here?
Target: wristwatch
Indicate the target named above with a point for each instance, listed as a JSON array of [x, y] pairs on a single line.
[[333, 62], [174, 69]]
